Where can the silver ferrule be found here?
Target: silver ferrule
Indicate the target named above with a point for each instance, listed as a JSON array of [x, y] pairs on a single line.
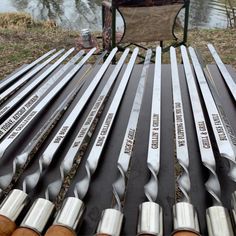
[[218, 221], [110, 223], [13, 204], [233, 204], [150, 219], [70, 213], [38, 215], [185, 218]]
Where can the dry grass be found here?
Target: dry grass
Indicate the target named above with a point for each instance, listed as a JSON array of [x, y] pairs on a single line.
[[22, 40]]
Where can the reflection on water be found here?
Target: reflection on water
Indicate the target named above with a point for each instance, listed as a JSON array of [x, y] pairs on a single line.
[[78, 14], [208, 14]]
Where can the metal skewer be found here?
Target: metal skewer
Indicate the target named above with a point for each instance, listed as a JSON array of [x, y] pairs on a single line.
[[12, 78], [16, 116], [40, 106], [84, 134], [20, 161], [14, 203], [226, 75], [8, 92], [223, 140], [111, 221], [29, 224], [185, 216], [70, 214], [150, 213], [218, 220]]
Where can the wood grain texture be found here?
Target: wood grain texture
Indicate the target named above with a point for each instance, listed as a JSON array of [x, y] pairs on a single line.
[[58, 230], [6, 226], [24, 232], [185, 233]]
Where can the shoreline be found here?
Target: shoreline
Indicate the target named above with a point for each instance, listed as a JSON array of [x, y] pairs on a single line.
[[22, 40]]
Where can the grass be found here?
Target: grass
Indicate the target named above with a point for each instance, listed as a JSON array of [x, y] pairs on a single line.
[[22, 40]]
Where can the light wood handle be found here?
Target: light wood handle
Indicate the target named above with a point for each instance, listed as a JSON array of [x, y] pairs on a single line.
[[7, 226], [24, 232], [185, 233], [58, 230]]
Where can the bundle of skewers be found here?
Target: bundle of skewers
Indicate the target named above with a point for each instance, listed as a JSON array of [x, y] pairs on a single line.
[[106, 149]]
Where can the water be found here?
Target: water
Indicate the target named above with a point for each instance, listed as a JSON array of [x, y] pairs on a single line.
[[79, 14]]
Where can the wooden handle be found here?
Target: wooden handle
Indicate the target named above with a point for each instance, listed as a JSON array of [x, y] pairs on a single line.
[[185, 233], [7, 226], [58, 230], [24, 232]]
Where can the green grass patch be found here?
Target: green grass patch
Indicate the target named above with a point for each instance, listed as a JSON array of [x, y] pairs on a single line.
[[22, 40]]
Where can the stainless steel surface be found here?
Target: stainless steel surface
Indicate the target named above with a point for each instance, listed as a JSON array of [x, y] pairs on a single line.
[[153, 158], [38, 215], [28, 104], [207, 155], [84, 133], [13, 204], [185, 217], [218, 221], [67, 124], [92, 161], [224, 143], [70, 213], [150, 219], [24, 79], [14, 133], [127, 146], [31, 180], [20, 160], [181, 144], [19, 73], [111, 222], [226, 75]]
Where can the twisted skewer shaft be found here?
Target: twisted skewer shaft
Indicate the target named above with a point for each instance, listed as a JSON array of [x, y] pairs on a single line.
[[73, 205], [218, 221], [77, 148]]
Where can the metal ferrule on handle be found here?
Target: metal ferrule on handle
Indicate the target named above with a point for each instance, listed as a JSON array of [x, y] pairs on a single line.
[[110, 223], [185, 218], [13, 204], [150, 219], [218, 221], [70, 213], [38, 215]]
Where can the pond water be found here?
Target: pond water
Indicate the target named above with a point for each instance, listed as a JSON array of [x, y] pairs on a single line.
[[79, 14]]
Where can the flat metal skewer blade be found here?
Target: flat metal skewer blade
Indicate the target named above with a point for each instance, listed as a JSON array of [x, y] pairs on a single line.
[[223, 141], [20, 112], [204, 142], [226, 75], [153, 158], [41, 105], [85, 133], [7, 93], [19, 73], [32, 180], [180, 130], [92, 161], [127, 146]]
